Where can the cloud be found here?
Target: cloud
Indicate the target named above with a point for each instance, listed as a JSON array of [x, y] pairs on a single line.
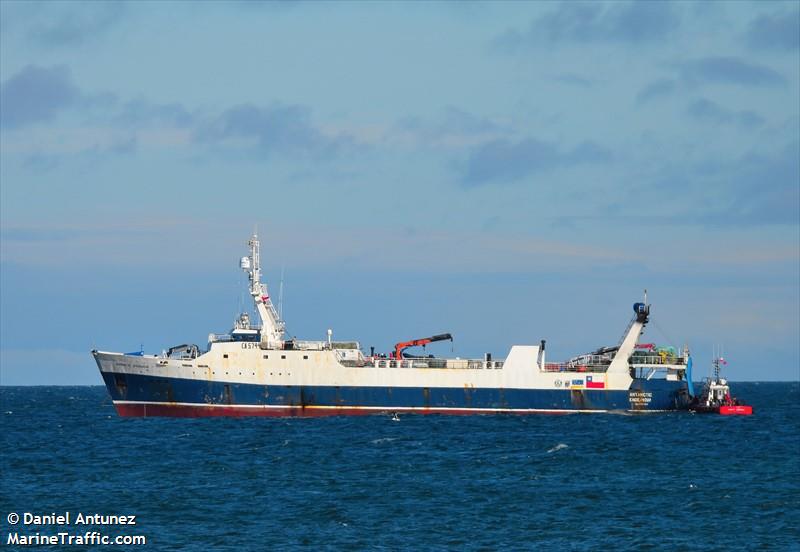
[[574, 80], [581, 22], [453, 128], [140, 111], [35, 95], [504, 161], [107, 124], [777, 31], [461, 122], [765, 189], [74, 24], [707, 111], [729, 70], [657, 89], [754, 189], [276, 128], [40, 162]]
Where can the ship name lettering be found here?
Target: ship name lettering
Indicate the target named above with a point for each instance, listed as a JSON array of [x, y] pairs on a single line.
[[249, 345], [640, 397]]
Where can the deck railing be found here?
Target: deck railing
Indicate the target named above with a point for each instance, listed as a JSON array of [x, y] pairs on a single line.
[[657, 359], [568, 367], [592, 363], [444, 363]]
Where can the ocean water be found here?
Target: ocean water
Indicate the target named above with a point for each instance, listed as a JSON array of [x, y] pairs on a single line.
[[570, 482]]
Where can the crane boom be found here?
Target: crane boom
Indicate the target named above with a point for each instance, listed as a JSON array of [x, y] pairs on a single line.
[[403, 345]]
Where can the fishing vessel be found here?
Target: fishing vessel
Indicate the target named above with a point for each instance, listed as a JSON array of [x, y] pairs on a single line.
[[254, 370]]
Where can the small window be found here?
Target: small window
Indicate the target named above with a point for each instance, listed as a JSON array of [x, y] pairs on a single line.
[[266, 357], [224, 356], [283, 357], [305, 357]]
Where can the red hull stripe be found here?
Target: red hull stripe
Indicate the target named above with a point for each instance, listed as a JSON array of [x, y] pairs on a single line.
[[742, 410], [139, 409]]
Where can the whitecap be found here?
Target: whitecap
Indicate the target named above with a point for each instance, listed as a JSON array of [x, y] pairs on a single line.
[[383, 440], [560, 446]]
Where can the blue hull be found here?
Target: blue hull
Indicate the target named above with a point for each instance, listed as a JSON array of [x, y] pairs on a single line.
[[141, 395]]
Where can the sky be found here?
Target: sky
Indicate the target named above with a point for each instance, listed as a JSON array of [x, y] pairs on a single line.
[[505, 172]]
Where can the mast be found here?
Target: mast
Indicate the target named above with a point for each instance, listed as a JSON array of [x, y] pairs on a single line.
[[280, 297], [272, 327]]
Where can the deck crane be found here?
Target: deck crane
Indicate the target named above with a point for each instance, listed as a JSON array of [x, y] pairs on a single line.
[[403, 345]]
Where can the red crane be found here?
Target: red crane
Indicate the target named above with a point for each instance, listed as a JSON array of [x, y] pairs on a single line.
[[403, 345]]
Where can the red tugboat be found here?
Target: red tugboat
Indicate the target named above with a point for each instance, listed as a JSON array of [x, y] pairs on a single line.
[[715, 398]]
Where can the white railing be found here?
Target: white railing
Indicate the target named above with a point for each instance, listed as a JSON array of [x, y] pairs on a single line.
[[649, 360], [446, 363], [572, 367]]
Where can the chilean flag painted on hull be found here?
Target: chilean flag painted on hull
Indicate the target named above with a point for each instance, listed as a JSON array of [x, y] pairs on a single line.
[[595, 382]]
